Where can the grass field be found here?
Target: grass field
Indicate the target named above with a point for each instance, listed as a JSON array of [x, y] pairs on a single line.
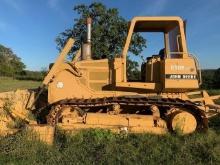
[[103, 147], [8, 84]]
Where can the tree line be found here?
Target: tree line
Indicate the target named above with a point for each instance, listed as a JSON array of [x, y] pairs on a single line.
[[211, 79], [10, 63], [12, 66]]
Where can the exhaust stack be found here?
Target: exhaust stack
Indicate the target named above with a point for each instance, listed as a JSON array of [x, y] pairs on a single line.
[[89, 26], [86, 47]]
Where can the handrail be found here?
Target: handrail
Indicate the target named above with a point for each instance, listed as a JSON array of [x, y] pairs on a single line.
[[198, 68]]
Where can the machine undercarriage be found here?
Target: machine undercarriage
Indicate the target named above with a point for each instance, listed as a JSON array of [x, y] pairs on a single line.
[[130, 114]]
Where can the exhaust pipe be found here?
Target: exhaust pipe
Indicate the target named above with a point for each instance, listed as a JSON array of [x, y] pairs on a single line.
[[89, 26], [86, 47]]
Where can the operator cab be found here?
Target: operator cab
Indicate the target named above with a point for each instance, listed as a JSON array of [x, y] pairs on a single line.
[[172, 69], [150, 68]]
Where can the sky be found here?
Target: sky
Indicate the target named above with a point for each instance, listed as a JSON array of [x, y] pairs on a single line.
[[29, 27]]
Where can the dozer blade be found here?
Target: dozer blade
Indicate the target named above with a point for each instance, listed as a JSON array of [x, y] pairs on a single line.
[[13, 110]]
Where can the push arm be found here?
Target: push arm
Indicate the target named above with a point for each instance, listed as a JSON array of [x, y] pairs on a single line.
[[60, 59]]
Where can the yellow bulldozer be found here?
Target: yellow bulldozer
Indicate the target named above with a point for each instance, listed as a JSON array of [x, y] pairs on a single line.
[[88, 93]]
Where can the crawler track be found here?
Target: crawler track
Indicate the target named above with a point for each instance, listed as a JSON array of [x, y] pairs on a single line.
[[165, 105]]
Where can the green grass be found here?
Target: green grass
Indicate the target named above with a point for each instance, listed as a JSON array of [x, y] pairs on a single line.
[[9, 84], [103, 147]]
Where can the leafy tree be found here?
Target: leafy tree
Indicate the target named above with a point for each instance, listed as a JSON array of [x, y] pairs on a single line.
[[109, 31], [133, 73], [207, 78], [10, 63]]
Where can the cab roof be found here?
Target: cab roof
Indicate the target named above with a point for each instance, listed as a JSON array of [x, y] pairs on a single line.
[[156, 24]]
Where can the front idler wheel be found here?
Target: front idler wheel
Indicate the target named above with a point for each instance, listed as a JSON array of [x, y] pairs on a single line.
[[182, 122]]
